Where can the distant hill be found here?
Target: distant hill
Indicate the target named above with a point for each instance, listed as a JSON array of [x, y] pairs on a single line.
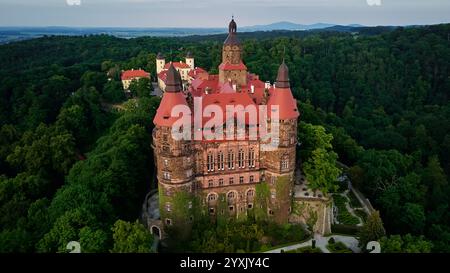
[[13, 34], [291, 26]]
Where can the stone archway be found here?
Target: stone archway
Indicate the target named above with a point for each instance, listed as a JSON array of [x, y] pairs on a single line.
[[155, 230]]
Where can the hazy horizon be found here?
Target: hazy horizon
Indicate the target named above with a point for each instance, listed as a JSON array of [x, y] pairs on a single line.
[[216, 14]]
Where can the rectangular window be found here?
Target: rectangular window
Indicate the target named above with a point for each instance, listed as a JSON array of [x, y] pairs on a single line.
[[220, 161], [210, 162], [273, 194], [166, 175], [220, 182], [231, 160], [252, 179], [231, 180], [241, 159], [251, 158], [210, 183], [241, 180]]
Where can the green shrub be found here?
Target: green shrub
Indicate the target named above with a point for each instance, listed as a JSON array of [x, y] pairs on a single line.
[[331, 241], [354, 202], [338, 247], [306, 249], [361, 213], [345, 229]]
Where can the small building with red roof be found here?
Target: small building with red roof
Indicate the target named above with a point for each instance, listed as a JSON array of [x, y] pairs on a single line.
[[131, 75], [186, 69]]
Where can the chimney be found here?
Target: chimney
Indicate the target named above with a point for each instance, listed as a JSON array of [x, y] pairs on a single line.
[[267, 85], [252, 89], [234, 87]]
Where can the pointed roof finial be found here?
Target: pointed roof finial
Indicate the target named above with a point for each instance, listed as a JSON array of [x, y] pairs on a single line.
[[173, 80], [232, 28], [283, 76]]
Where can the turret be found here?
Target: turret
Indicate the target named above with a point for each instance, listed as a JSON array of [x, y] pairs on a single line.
[[280, 163], [190, 60], [175, 162], [232, 68], [160, 62]]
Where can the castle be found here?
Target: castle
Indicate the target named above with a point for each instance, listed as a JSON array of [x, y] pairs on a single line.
[[224, 178]]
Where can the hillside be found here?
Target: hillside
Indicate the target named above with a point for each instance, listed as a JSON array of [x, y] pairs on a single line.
[[70, 169]]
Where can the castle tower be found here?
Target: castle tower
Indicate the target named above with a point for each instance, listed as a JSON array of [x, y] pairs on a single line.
[[232, 68], [173, 160], [160, 63], [190, 60], [280, 163]]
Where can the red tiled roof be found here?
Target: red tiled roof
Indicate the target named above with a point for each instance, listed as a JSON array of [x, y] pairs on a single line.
[[195, 72], [163, 75], [132, 74], [163, 114], [286, 102], [179, 65], [222, 100], [228, 66], [226, 88]]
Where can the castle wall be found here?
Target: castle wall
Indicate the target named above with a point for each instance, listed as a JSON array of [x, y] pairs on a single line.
[[317, 210]]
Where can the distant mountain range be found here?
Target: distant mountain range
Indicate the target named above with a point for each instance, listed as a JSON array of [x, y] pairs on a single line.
[[12, 34], [291, 26]]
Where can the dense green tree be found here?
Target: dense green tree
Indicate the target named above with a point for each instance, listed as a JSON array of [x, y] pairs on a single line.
[[321, 171], [131, 238], [47, 149], [373, 229], [405, 244], [141, 88], [113, 92], [312, 137], [94, 79]]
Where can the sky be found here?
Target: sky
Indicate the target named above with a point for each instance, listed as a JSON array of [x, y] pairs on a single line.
[[216, 13]]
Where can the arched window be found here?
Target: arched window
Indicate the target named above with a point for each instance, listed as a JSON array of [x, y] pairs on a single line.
[[250, 193], [241, 162], [212, 197], [231, 195]]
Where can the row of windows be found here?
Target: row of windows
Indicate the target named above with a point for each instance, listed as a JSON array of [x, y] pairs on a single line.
[[221, 181], [230, 195], [211, 163], [230, 208]]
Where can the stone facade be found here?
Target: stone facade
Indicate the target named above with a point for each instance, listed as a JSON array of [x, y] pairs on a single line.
[[230, 178]]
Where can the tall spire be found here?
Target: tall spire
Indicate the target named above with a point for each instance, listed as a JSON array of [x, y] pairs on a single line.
[[173, 80], [232, 27], [232, 38], [283, 76]]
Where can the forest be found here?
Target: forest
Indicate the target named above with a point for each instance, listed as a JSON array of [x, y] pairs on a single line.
[[73, 168]]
